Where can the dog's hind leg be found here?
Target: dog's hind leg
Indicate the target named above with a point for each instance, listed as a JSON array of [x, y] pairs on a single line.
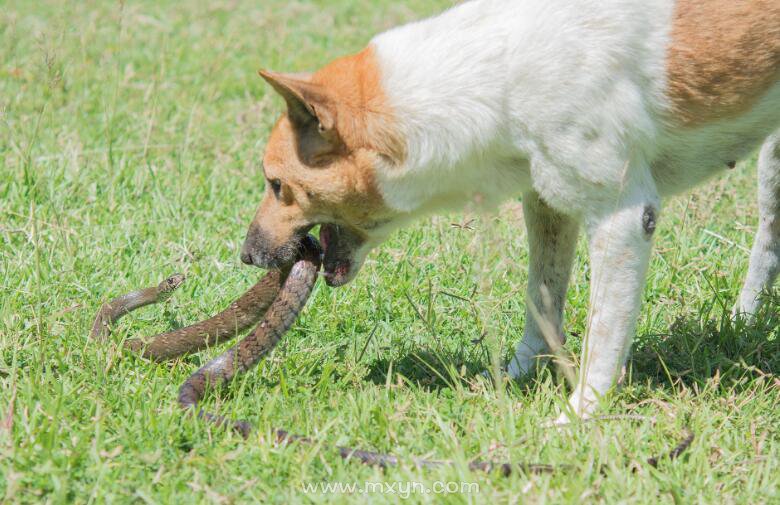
[[765, 257], [552, 239]]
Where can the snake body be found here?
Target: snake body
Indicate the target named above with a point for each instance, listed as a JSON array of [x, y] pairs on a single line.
[[112, 311], [241, 315], [282, 313], [277, 299]]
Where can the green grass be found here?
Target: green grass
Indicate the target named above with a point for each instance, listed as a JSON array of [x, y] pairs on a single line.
[[130, 140]]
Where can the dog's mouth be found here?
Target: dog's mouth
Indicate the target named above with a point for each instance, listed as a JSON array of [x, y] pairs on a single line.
[[343, 252], [340, 246]]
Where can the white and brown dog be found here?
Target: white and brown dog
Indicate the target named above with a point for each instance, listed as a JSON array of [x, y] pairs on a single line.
[[592, 110]]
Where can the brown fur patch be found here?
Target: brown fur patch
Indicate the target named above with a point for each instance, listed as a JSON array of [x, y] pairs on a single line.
[[365, 118], [724, 55]]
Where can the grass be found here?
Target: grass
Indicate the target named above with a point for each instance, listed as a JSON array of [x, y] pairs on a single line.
[[130, 139]]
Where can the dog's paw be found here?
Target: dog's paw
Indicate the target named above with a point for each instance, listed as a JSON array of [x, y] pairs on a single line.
[[523, 366], [563, 420], [515, 371]]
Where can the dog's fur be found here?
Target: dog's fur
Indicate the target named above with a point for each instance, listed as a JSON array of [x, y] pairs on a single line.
[[593, 111]]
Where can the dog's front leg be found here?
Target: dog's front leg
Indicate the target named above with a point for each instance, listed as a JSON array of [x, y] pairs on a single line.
[[619, 243], [552, 239]]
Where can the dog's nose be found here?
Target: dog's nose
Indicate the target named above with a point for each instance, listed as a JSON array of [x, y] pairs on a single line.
[[253, 251], [247, 249], [250, 245]]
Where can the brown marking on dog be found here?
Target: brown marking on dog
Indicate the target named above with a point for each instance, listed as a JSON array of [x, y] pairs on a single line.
[[724, 55], [368, 120], [324, 151]]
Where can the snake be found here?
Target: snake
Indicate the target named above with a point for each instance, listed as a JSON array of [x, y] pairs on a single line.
[[273, 304], [111, 312]]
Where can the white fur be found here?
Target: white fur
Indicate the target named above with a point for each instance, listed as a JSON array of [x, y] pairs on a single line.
[[765, 257], [552, 239], [562, 100]]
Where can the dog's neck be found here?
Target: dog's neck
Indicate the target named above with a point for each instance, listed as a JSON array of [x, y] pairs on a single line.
[[440, 76], [446, 79]]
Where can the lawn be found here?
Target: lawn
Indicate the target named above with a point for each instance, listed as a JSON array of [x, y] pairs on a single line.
[[130, 142]]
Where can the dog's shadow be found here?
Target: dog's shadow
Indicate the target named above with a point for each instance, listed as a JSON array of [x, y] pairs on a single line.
[[696, 348], [427, 368], [699, 347]]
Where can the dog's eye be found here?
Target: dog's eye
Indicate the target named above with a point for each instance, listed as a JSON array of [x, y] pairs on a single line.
[[276, 186]]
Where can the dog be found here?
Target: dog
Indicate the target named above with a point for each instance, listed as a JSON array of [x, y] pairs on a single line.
[[592, 111]]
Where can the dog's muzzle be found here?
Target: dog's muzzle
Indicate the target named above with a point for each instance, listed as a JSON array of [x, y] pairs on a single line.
[[256, 250]]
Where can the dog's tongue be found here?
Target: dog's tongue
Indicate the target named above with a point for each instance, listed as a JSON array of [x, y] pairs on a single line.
[[326, 235]]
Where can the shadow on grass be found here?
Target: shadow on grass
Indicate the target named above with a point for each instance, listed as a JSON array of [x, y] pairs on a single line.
[[709, 343], [429, 369], [698, 347]]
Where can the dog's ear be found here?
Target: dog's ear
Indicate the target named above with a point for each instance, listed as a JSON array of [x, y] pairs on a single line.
[[311, 112]]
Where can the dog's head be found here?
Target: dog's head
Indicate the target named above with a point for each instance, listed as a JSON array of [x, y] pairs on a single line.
[[320, 168]]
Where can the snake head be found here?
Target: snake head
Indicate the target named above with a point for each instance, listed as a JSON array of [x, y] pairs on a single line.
[[169, 285]]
